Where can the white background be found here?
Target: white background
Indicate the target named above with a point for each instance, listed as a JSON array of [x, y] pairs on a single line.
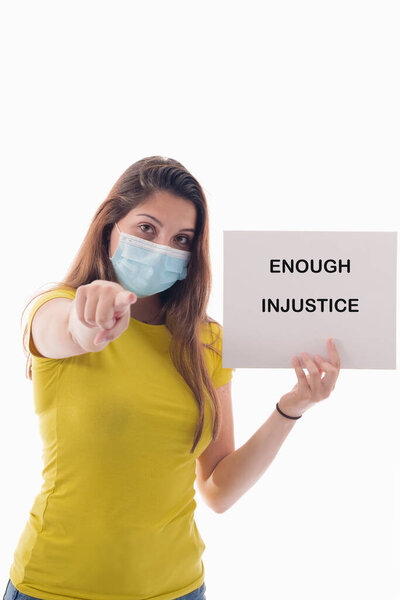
[[288, 115]]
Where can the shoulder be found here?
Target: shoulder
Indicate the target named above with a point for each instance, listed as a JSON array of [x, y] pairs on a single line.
[[213, 338], [211, 333]]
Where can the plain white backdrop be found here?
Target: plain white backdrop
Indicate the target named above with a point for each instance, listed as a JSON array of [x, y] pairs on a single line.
[[288, 115]]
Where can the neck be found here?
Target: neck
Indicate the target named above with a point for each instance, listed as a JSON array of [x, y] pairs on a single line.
[[147, 310]]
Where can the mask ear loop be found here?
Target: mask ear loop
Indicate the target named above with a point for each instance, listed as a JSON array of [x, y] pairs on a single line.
[[116, 224]]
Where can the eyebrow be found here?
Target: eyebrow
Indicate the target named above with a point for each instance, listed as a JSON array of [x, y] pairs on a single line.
[[159, 222]]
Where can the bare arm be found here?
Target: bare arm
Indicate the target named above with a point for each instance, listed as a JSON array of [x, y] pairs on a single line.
[[62, 327], [239, 470], [57, 333], [225, 474]]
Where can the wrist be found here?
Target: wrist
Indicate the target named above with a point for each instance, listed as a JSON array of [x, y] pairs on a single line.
[[291, 408]]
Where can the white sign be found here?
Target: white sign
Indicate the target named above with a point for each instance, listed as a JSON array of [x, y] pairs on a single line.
[[286, 292]]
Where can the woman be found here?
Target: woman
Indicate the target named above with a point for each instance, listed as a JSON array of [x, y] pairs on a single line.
[[134, 403]]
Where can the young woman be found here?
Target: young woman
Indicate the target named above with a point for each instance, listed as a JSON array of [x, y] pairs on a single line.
[[134, 403]]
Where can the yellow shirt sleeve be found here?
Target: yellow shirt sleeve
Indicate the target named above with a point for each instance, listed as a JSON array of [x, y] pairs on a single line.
[[220, 375]]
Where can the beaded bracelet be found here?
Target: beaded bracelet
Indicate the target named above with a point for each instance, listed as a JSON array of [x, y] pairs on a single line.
[[283, 414]]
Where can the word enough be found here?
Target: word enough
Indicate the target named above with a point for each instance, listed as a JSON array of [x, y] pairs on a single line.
[[302, 265]]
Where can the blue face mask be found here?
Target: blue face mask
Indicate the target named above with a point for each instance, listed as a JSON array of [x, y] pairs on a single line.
[[146, 268]]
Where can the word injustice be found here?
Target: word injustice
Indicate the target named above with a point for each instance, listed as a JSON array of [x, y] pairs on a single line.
[[310, 305], [302, 266]]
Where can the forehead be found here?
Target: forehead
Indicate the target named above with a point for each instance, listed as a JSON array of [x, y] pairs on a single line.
[[167, 206]]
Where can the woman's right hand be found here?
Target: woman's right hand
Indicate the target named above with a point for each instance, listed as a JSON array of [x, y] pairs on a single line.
[[105, 304]]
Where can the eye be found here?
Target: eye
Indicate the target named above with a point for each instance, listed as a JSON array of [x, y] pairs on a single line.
[[184, 237], [145, 225]]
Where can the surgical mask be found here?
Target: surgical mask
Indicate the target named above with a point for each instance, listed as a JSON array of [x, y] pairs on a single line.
[[146, 268]]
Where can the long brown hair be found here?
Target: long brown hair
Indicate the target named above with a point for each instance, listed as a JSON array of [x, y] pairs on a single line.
[[183, 304]]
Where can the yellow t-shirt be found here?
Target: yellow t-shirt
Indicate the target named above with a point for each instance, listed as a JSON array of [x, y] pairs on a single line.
[[114, 519]]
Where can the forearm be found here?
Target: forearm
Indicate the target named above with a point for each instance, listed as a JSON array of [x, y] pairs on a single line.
[[238, 472]]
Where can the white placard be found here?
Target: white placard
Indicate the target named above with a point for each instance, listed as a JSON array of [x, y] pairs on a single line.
[[289, 291]]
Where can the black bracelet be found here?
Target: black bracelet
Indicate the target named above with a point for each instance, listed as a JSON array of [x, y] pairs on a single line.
[[283, 414]]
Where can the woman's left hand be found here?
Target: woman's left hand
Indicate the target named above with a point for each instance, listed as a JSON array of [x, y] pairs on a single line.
[[311, 389]]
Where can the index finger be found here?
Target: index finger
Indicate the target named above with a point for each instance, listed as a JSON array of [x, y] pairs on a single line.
[[333, 353], [123, 299]]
